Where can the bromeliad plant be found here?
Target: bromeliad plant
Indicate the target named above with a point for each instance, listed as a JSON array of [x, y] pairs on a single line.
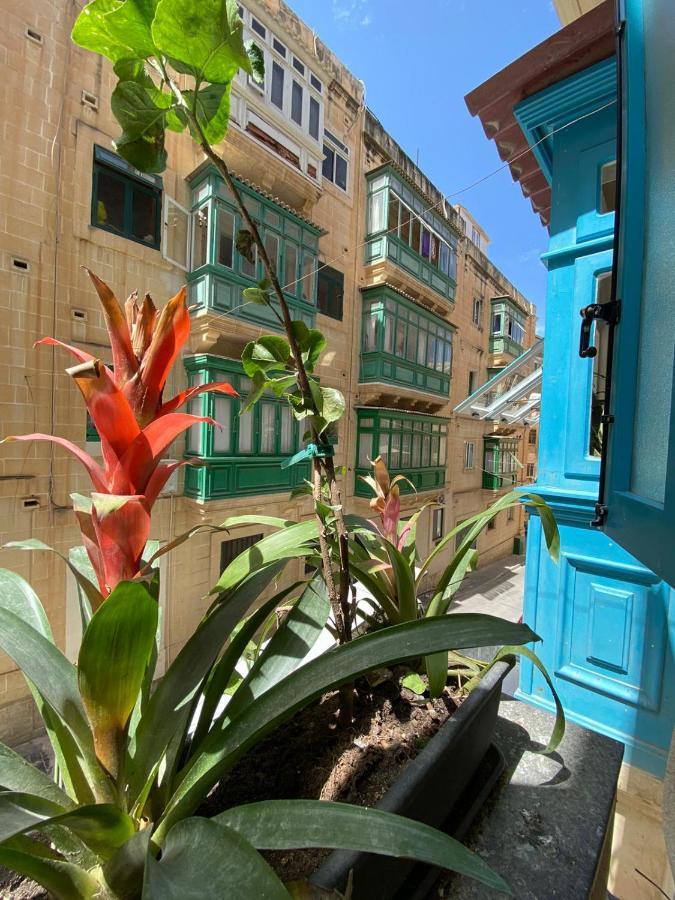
[[136, 765], [384, 559], [135, 425]]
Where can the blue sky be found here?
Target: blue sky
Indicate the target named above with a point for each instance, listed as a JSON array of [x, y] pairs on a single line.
[[418, 60]]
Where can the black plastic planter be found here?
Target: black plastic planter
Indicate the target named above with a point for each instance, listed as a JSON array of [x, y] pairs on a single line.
[[429, 790]]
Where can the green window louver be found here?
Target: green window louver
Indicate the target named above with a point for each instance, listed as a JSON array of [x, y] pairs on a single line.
[[401, 227], [219, 273], [403, 344], [243, 456], [501, 466], [411, 444]]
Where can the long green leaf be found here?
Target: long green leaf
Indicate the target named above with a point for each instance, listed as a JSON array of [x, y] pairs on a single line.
[[123, 872], [377, 590], [404, 580], [558, 732], [102, 826], [223, 670], [287, 648], [63, 880], [287, 824], [17, 596], [17, 774], [282, 545], [56, 681], [391, 645], [114, 655], [169, 708], [199, 848]]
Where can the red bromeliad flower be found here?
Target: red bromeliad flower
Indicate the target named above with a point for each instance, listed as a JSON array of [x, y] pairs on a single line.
[[135, 426], [387, 501]]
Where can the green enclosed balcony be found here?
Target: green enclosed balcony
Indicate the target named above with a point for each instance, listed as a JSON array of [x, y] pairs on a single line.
[[219, 273], [507, 332], [500, 463], [404, 345], [244, 455], [402, 229], [412, 444]]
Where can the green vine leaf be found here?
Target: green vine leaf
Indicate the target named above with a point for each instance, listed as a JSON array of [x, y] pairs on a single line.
[[206, 36], [266, 354], [211, 107], [116, 30]]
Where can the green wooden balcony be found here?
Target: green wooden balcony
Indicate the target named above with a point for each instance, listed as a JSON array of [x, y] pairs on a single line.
[[500, 462], [503, 344], [403, 344], [219, 273]]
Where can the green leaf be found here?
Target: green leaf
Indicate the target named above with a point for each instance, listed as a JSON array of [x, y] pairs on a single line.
[[256, 295], [124, 871], [288, 824], [207, 36], [17, 596], [211, 108], [63, 880], [404, 582], [559, 727], [311, 343], [266, 354], [332, 669], [102, 826], [143, 123], [170, 706], [301, 490], [333, 406], [113, 659], [54, 679], [275, 547], [116, 29], [223, 672], [17, 774], [287, 648], [196, 848], [414, 683]]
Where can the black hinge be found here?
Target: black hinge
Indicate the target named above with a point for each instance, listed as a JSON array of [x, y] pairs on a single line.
[[600, 516], [606, 312]]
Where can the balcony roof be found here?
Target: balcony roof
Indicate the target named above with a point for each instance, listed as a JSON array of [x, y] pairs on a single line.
[[585, 42], [513, 395]]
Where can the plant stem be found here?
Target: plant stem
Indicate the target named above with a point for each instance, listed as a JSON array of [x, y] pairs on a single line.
[[338, 595]]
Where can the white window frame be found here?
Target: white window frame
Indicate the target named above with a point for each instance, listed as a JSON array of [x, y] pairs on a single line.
[[469, 454], [165, 228], [477, 306], [337, 151]]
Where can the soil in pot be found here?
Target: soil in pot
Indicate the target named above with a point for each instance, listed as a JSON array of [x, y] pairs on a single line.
[[309, 758]]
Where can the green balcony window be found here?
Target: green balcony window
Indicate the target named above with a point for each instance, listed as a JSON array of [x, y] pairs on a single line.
[[244, 454], [403, 229], [219, 273], [410, 443], [500, 463], [508, 327], [403, 344]]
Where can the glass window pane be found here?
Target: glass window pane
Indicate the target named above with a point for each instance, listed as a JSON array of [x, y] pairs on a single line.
[[144, 216], [435, 248], [328, 164], [290, 267], [426, 243], [200, 237], [395, 452], [258, 27], [247, 268], [279, 47], [176, 233], [416, 450], [341, 172], [277, 92], [267, 427], [406, 450], [272, 249], [426, 449], [497, 323], [415, 234], [314, 118], [603, 285], [400, 338], [392, 213], [388, 332], [365, 449], [404, 230], [431, 351], [222, 413], [411, 348], [369, 328], [110, 201], [286, 444], [442, 451], [376, 212], [194, 408], [225, 238], [608, 187], [434, 450], [383, 449], [444, 257], [421, 347], [452, 270], [296, 103], [307, 285], [246, 432]]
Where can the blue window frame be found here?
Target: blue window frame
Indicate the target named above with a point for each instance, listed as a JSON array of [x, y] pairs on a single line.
[[640, 478]]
